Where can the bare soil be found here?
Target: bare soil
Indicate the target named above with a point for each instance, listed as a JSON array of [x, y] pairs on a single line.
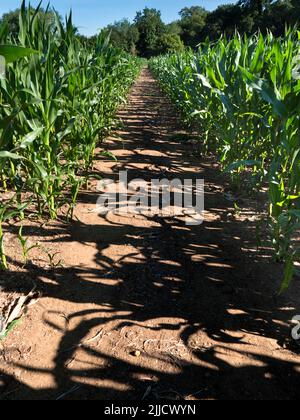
[[146, 307]]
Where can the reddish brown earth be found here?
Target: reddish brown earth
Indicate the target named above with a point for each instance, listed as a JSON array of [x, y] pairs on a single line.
[[149, 307]]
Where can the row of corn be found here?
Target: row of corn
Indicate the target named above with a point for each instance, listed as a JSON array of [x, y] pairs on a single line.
[[58, 100], [243, 97]]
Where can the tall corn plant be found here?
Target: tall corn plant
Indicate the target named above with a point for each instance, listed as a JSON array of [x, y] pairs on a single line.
[[243, 95], [9, 54]]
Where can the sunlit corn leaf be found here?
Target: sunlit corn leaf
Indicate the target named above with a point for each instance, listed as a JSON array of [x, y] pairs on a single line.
[[13, 53]]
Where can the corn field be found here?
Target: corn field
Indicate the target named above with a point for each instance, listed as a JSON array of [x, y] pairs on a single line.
[[58, 101], [243, 97]]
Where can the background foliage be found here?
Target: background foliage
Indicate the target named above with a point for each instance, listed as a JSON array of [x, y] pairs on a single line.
[[149, 36]]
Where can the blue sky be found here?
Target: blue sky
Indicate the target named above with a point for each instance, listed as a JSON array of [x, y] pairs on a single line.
[[92, 15]]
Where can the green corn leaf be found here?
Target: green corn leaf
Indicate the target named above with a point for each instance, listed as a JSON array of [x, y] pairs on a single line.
[[241, 163], [13, 53], [9, 155], [289, 272], [30, 138], [295, 213], [268, 94], [108, 154], [10, 328]]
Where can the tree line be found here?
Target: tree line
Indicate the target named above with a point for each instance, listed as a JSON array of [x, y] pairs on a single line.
[[149, 36]]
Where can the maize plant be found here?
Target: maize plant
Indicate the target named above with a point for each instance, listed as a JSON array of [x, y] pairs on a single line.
[[243, 96], [58, 100]]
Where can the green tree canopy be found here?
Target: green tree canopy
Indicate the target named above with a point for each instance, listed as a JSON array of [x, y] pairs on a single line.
[[123, 34], [278, 15], [174, 28], [255, 5], [226, 20], [151, 28], [12, 19], [192, 23], [170, 43], [148, 35]]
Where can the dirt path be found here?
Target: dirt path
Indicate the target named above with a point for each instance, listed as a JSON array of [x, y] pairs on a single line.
[[149, 305]]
